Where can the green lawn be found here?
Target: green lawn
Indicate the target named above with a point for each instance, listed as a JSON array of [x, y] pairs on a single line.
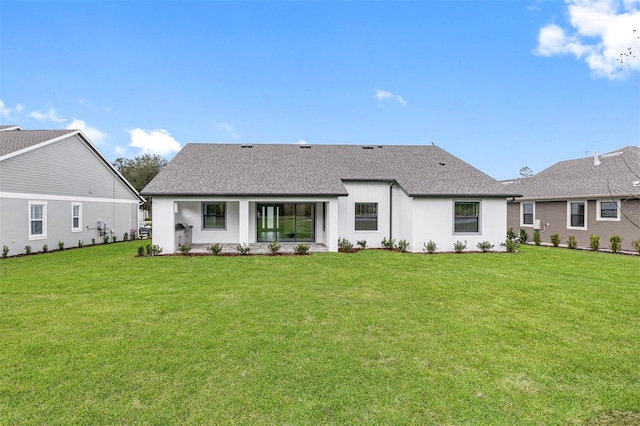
[[97, 336]]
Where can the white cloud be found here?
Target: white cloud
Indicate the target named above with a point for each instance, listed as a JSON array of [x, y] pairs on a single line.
[[599, 31], [384, 95], [158, 142], [19, 108], [50, 115], [229, 129], [7, 113], [94, 135], [301, 142]]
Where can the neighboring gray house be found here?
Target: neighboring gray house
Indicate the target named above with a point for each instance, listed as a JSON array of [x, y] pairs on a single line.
[[230, 193], [594, 195], [56, 186]]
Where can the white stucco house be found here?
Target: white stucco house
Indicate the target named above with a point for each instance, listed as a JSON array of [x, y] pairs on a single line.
[[243, 193], [55, 186]]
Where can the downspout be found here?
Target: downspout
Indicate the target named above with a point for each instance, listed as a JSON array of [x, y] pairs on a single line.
[[391, 209]]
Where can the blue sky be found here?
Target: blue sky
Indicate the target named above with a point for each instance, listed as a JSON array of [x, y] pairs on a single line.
[[500, 84]]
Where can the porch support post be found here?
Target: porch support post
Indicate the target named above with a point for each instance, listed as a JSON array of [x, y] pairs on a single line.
[[164, 224], [243, 222], [332, 225]]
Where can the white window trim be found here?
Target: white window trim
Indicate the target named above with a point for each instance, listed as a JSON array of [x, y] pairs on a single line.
[[79, 228], [527, 225], [607, 219], [453, 218], [42, 236], [586, 211]]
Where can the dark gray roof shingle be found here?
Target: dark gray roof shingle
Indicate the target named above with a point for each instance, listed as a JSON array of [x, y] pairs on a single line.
[[279, 169], [615, 175], [16, 140]]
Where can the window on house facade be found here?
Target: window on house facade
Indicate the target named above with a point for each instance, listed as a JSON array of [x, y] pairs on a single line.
[[76, 217], [37, 220], [213, 215], [577, 214], [527, 213], [608, 210], [466, 216], [366, 217]]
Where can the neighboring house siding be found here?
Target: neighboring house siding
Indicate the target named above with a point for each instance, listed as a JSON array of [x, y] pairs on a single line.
[[554, 213], [67, 167], [14, 227]]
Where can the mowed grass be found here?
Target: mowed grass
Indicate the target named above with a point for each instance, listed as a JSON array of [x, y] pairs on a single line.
[[97, 336]]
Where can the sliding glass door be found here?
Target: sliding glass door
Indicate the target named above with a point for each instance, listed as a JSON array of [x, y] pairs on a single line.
[[286, 222]]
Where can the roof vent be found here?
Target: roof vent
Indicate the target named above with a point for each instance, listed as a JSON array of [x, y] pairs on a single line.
[[247, 146], [636, 183], [367, 147], [305, 146], [596, 159]]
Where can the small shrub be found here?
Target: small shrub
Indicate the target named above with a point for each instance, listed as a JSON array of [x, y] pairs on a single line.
[[93, 241], [485, 246], [243, 249], [184, 249], [510, 234], [389, 244], [555, 239], [636, 245], [301, 248], [140, 251], [125, 237], [572, 243], [27, 249], [114, 238], [274, 247], [155, 250], [536, 237], [459, 246], [105, 239], [215, 249], [80, 243], [362, 244], [524, 237], [61, 245], [511, 245], [5, 251], [615, 243], [45, 248], [403, 245], [133, 234], [148, 249], [430, 247], [594, 242], [345, 245]]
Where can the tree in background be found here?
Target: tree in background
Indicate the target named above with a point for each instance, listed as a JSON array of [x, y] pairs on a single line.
[[629, 58], [139, 171], [526, 172]]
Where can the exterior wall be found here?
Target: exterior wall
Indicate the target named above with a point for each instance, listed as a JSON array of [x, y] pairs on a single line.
[[120, 216], [190, 213], [433, 220], [403, 218], [66, 168], [553, 218], [365, 192]]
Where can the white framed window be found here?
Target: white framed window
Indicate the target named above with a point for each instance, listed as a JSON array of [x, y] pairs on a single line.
[[527, 213], [608, 210], [466, 217], [577, 215], [37, 220], [76, 217], [366, 216]]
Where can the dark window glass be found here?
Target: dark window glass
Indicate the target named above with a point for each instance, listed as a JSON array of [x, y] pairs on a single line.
[[467, 216], [527, 214], [213, 215], [577, 215], [609, 209], [366, 216]]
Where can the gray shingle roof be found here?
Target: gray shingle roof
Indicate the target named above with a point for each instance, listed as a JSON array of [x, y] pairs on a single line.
[[16, 140], [9, 127], [268, 169], [614, 175]]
